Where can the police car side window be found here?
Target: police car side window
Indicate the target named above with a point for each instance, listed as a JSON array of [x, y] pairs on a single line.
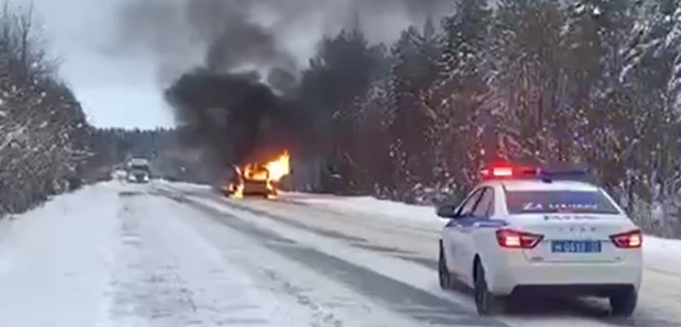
[[469, 204], [484, 207]]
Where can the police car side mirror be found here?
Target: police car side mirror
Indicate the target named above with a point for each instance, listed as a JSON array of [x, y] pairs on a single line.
[[447, 211]]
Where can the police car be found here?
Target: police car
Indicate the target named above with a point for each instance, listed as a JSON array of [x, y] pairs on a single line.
[[533, 231]]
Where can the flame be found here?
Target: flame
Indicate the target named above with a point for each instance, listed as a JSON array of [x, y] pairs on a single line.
[[279, 167], [270, 172], [253, 172], [238, 190]]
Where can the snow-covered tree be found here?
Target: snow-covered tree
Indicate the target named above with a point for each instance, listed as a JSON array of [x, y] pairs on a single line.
[[43, 131], [412, 74], [456, 96], [587, 81], [527, 79]]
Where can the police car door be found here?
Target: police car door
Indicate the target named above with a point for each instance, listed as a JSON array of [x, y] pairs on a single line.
[[473, 226], [455, 230]]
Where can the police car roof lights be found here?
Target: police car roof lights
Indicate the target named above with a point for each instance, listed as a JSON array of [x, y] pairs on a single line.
[[506, 170], [509, 171]]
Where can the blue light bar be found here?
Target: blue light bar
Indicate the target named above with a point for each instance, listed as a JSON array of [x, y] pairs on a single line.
[[576, 174]]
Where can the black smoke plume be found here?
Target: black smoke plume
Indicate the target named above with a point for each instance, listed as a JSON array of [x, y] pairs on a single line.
[[241, 117], [238, 117]]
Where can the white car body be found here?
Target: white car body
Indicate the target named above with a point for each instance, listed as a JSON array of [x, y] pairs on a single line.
[[539, 269]]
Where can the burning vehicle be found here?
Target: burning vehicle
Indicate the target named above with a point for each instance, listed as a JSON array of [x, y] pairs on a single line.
[[258, 179]]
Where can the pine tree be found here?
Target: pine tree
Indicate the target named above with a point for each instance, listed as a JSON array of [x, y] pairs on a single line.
[[341, 72], [599, 33], [645, 72], [412, 74], [526, 79], [458, 92], [373, 155]]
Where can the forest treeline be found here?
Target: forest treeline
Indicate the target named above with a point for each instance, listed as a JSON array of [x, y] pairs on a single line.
[[588, 81]]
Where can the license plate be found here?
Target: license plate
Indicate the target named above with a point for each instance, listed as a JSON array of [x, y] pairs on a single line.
[[576, 246]]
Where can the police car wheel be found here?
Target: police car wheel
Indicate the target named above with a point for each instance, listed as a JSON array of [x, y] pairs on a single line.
[[623, 304], [443, 273], [485, 302]]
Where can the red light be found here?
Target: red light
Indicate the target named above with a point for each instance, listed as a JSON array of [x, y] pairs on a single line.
[[629, 240], [502, 171], [512, 239], [497, 171]]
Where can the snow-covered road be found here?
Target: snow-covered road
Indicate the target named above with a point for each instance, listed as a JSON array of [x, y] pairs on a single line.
[[176, 255], [399, 242]]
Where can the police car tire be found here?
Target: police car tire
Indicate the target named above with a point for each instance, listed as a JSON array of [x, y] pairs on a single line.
[[623, 304], [443, 273], [486, 303]]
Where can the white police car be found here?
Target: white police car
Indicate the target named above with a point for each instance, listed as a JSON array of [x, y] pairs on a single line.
[[532, 231]]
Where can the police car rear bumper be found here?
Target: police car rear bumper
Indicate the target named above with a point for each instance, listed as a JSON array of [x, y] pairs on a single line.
[[570, 279]]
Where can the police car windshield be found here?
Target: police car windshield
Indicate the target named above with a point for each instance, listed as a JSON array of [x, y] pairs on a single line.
[[559, 201]]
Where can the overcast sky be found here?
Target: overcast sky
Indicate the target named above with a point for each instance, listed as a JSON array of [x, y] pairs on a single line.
[[113, 91], [123, 91]]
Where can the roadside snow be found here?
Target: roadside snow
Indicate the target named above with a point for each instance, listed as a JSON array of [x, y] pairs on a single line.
[[374, 207], [661, 254], [54, 260]]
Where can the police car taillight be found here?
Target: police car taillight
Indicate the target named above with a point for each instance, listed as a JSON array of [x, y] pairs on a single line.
[[512, 239], [629, 240]]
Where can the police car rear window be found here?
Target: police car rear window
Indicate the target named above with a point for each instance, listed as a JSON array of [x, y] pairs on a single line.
[[594, 202]]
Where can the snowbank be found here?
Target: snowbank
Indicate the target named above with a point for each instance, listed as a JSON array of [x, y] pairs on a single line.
[[54, 260], [372, 206]]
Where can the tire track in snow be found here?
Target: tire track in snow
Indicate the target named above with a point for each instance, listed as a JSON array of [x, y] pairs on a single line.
[[325, 301], [400, 297], [159, 280]]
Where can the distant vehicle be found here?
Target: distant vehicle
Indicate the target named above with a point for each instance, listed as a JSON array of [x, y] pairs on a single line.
[[535, 231], [138, 171]]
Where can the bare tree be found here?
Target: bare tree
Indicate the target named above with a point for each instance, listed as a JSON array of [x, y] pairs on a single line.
[[42, 126]]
